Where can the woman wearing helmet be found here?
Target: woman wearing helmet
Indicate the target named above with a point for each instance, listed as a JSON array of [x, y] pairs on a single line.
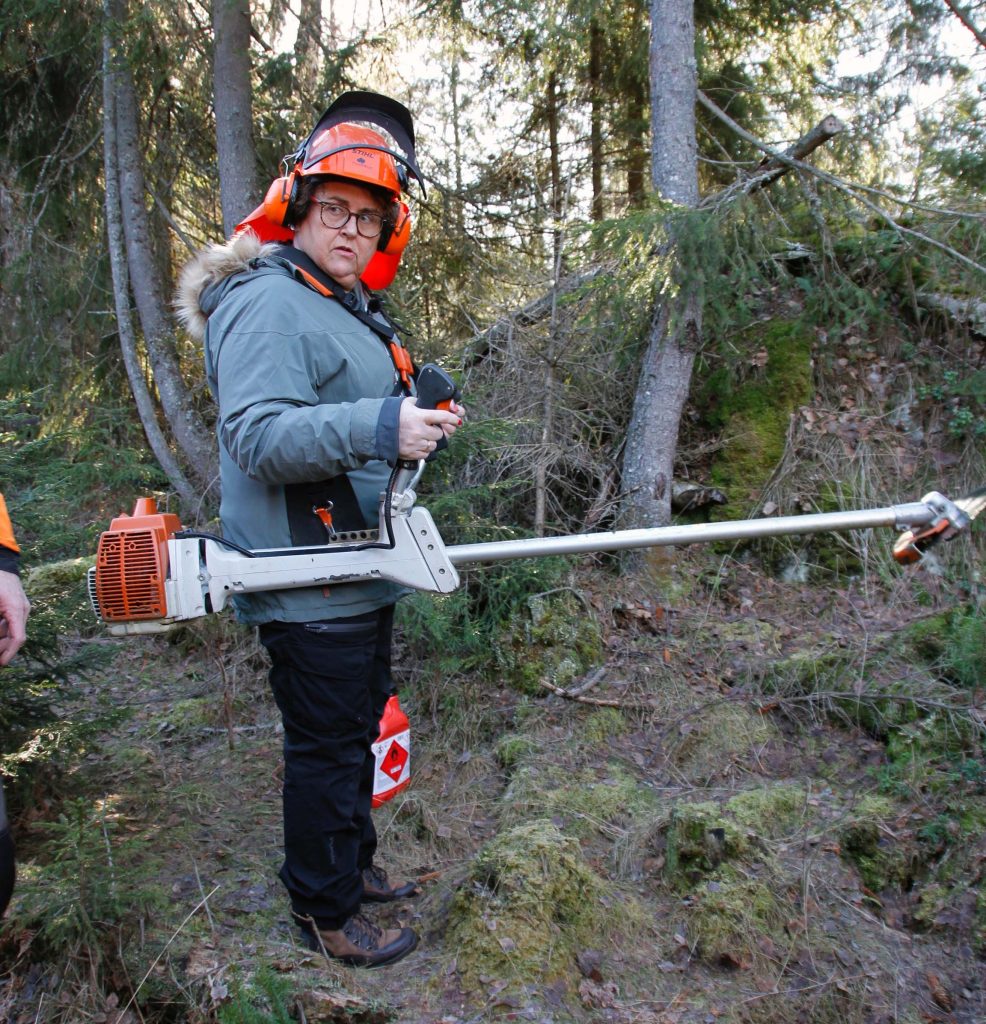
[[314, 411]]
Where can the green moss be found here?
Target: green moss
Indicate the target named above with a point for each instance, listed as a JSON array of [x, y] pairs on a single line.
[[551, 639], [934, 747], [601, 725], [770, 811], [700, 837], [755, 415], [724, 735], [950, 908], [513, 748], [189, 714], [867, 841], [529, 904], [730, 912], [925, 638], [808, 671], [752, 634], [953, 899], [51, 579], [579, 803], [833, 554], [615, 801], [862, 692]]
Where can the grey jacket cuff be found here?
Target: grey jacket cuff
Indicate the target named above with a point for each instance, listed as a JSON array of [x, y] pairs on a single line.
[[388, 429]]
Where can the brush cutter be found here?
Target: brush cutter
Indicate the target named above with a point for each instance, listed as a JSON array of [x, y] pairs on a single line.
[[150, 574]]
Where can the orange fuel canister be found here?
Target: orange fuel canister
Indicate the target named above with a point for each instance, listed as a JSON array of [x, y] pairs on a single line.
[[392, 751]]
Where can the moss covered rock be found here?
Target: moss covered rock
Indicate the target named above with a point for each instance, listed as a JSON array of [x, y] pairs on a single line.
[[53, 578], [576, 801], [551, 639], [867, 840], [529, 904], [727, 910], [699, 838], [769, 811]]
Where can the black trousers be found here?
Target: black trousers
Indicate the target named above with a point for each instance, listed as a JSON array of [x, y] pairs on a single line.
[[331, 680], [7, 869]]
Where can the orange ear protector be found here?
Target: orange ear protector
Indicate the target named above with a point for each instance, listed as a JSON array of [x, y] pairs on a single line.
[[395, 238], [278, 200]]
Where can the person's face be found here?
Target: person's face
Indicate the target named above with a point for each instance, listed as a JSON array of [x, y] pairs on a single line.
[[342, 253]]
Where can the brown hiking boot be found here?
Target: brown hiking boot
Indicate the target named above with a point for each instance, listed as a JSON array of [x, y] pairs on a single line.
[[360, 943], [377, 887]]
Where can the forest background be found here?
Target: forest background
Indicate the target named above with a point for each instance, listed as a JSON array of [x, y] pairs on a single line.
[[722, 259]]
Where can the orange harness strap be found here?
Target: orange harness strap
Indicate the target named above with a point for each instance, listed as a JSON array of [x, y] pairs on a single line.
[[6, 530], [399, 355]]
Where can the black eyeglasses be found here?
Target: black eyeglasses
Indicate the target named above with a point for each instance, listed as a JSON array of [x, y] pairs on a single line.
[[335, 215]]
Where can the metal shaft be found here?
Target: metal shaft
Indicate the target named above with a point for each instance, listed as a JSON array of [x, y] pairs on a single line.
[[900, 517]]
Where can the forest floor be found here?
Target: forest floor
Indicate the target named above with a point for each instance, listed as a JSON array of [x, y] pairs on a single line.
[[744, 818]]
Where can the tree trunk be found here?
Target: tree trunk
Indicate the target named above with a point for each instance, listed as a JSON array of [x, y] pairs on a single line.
[[232, 95], [458, 205], [965, 16], [306, 48], [636, 154], [118, 266], [548, 402], [673, 82], [676, 327], [195, 441], [596, 118]]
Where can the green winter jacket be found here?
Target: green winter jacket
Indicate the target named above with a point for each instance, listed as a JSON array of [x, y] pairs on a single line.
[[306, 392]]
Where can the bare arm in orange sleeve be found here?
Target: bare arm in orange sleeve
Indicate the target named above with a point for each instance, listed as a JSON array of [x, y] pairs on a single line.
[[14, 605]]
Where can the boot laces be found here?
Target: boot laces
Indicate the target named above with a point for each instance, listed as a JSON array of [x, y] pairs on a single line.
[[362, 932], [376, 877]]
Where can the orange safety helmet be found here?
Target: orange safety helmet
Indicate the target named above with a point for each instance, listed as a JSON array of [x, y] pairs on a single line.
[[340, 147]]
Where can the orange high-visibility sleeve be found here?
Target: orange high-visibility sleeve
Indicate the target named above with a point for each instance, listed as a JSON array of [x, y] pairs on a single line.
[[6, 530]]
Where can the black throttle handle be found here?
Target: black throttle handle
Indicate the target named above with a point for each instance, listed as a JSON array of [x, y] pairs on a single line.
[[435, 389]]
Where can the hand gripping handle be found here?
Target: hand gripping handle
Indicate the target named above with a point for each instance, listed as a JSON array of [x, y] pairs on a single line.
[[435, 389]]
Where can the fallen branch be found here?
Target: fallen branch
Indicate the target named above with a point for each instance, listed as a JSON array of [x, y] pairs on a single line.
[[598, 702], [967, 311], [588, 681], [962, 13], [774, 164], [538, 309], [853, 191], [527, 316]]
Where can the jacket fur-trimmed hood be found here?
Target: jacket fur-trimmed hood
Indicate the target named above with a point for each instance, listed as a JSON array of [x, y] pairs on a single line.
[[212, 266]]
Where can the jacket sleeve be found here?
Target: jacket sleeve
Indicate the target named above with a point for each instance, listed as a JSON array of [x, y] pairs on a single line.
[[9, 551], [285, 415]]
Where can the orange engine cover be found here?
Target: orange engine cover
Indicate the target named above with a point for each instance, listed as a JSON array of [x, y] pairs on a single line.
[[132, 564]]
